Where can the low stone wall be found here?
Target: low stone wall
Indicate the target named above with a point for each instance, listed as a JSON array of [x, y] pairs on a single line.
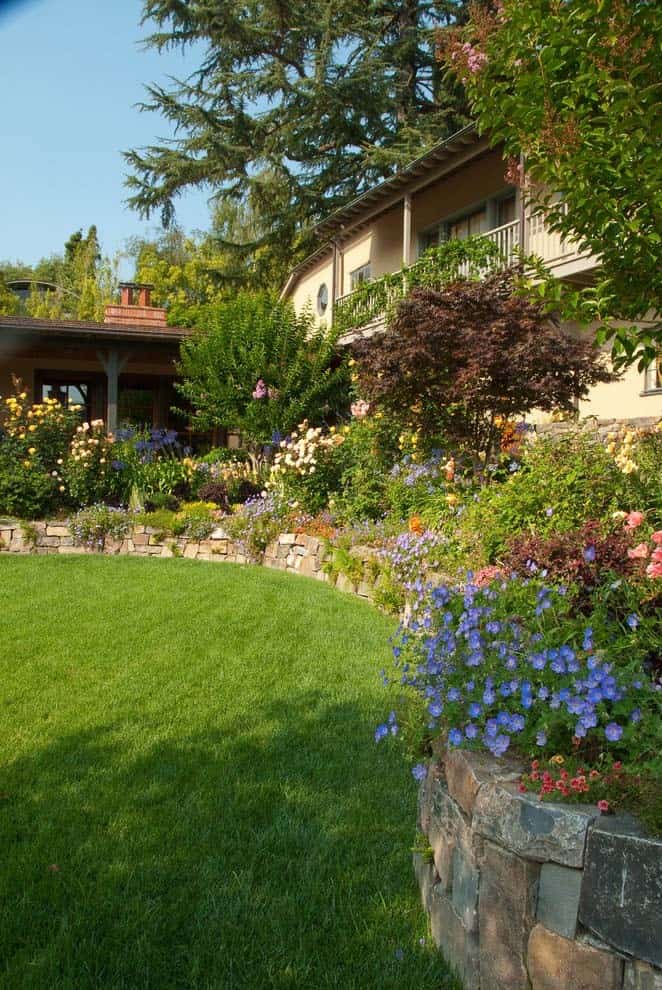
[[601, 429], [529, 896], [295, 553]]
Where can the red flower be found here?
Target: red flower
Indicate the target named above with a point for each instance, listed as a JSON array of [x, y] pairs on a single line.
[[603, 806], [522, 788]]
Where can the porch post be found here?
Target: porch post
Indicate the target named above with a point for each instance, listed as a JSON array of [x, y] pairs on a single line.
[[406, 229], [520, 200], [112, 364]]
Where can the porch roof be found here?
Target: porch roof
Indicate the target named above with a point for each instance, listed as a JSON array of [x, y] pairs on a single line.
[[91, 330]]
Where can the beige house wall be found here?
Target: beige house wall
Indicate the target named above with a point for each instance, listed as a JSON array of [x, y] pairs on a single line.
[[306, 289]]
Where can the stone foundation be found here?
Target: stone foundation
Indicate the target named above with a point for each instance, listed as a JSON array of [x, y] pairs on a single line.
[[295, 553], [523, 895]]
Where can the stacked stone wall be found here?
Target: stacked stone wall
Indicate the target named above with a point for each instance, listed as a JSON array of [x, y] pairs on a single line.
[[524, 895], [295, 553]]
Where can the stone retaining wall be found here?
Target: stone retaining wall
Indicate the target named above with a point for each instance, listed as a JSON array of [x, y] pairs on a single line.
[[291, 552], [529, 896], [600, 428]]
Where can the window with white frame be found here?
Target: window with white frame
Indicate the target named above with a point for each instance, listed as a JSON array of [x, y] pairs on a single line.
[[496, 211], [653, 376], [359, 276]]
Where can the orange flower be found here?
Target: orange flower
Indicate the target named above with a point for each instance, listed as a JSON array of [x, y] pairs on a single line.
[[416, 525]]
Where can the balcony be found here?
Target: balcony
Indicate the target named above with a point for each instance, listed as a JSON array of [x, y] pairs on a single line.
[[371, 303]]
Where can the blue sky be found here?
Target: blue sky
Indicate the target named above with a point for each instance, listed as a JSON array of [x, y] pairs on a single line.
[[70, 74]]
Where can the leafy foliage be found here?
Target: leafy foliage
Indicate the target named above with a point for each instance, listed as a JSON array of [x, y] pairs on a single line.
[[253, 339], [265, 119], [469, 258], [574, 88], [456, 362]]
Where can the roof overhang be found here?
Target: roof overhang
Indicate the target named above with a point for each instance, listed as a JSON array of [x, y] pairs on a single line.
[[84, 329]]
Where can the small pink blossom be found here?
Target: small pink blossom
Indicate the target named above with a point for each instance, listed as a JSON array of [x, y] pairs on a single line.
[[640, 552], [603, 806], [360, 409], [657, 536], [260, 391], [656, 555], [654, 570], [634, 519]]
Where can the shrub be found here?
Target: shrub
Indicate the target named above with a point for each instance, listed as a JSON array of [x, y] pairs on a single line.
[[255, 366], [195, 520], [369, 448], [87, 471], [216, 492], [305, 469], [92, 526], [560, 483], [457, 362], [258, 523], [33, 443]]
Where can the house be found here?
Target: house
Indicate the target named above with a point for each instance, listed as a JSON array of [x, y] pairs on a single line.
[[456, 189], [121, 370]]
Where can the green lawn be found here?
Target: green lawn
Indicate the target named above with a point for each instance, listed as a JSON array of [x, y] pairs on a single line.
[[190, 795]]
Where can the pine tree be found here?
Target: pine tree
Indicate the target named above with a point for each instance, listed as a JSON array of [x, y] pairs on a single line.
[[296, 106]]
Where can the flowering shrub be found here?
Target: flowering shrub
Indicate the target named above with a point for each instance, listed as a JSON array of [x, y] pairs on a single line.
[[195, 520], [149, 462], [304, 469], [409, 556], [560, 484], [512, 664], [33, 442], [258, 522], [87, 469], [92, 526]]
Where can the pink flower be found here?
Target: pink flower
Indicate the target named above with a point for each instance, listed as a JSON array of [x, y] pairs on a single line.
[[360, 409], [640, 552], [656, 555], [260, 390], [603, 806], [634, 519], [657, 536], [654, 570]]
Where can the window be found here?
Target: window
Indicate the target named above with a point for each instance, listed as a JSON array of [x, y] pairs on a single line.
[[135, 405], [653, 376], [359, 276], [468, 226], [506, 211], [68, 394], [322, 299]]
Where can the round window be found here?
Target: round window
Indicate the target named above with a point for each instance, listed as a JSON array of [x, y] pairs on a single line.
[[322, 299]]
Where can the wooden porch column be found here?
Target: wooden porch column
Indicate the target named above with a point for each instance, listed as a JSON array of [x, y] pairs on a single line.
[[112, 364], [521, 203], [406, 229]]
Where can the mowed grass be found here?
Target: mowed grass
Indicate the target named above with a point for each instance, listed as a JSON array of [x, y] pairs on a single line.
[[190, 795]]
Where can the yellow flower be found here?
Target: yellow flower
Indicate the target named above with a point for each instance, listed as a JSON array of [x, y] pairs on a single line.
[[26, 463], [32, 450], [558, 760]]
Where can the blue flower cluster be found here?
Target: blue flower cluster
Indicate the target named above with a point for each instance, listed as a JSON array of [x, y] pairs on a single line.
[[493, 666], [409, 555]]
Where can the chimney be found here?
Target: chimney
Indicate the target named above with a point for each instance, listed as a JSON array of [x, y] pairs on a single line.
[[130, 313]]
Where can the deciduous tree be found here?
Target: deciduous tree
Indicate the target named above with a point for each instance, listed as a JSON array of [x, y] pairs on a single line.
[[573, 86], [456, 362]]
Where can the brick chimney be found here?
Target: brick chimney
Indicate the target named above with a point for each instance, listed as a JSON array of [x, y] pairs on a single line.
[[136, 313]]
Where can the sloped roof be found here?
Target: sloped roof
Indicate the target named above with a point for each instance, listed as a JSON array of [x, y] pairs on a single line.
[[89, 328]]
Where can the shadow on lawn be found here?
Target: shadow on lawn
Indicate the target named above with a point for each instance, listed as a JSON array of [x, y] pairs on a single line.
[[271, 850]]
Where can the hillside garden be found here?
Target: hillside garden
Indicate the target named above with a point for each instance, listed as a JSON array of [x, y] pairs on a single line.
[[528, 568]]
